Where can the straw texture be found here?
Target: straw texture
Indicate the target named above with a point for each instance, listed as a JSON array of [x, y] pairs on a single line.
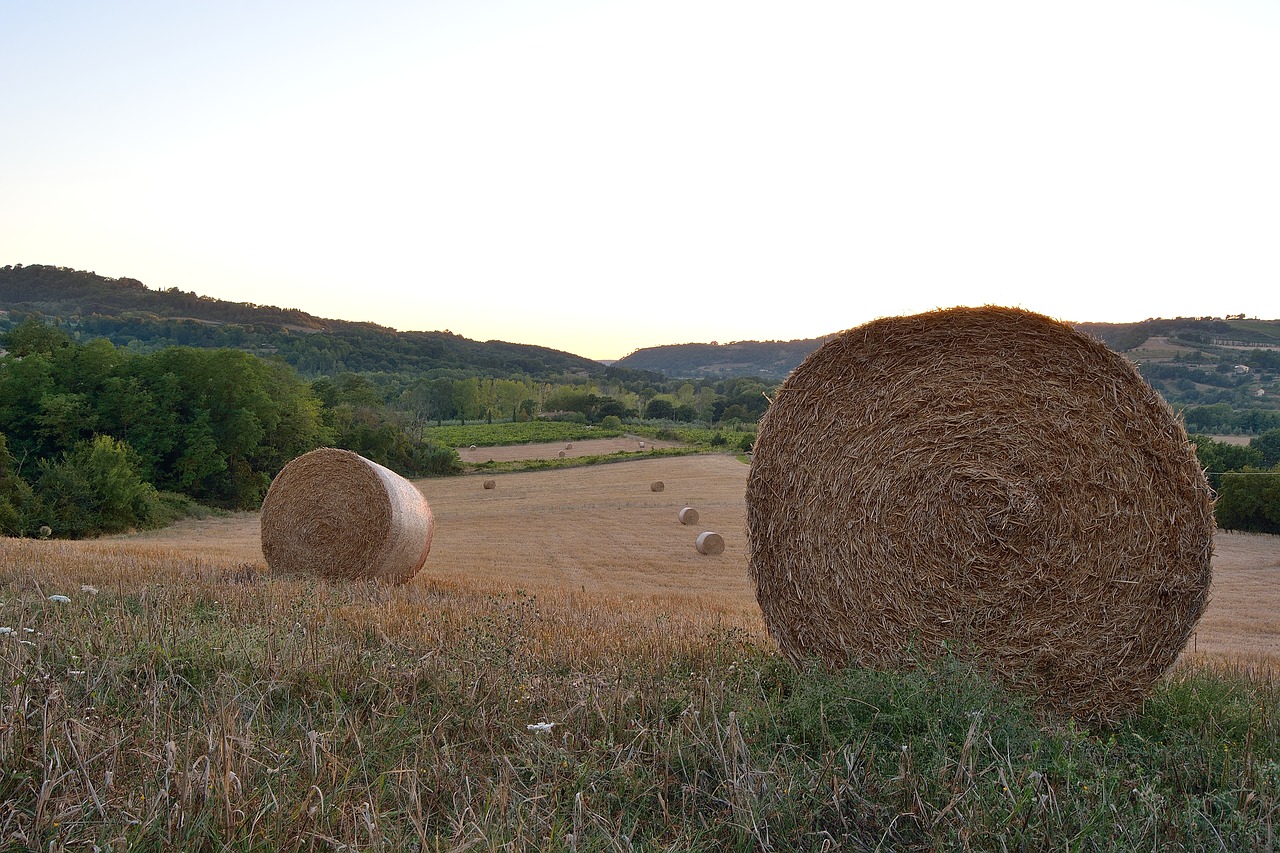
[[709, 543], [688, 515], [984, 480], [336, 515]]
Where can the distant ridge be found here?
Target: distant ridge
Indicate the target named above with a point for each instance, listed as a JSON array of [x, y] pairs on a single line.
[[127, 312]]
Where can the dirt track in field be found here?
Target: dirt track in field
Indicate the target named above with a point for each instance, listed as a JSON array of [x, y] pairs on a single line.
[[600, 529], [569, 449]]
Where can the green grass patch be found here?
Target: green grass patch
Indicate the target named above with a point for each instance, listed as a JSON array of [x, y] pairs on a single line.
[[528, 432]]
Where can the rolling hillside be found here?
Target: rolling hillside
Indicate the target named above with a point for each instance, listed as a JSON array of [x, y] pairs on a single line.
[[129, 313]]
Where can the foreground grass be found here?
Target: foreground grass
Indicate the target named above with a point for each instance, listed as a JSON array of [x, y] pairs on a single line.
[[181, 705]]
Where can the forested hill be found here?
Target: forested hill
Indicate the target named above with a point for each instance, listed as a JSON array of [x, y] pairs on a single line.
[[771, 360], [128, 313], [1231, 339]]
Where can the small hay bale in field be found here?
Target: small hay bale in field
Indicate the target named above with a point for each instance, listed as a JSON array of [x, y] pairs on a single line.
[[569, 446], [709, 543], [688, 515], [335, 515], [490, 484], [561, 454], [657, 486], [986, 481]]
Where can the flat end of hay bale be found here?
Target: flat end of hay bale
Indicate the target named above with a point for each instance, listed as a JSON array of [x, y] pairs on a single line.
[[688, 515], [987, 480], [657, 486], [709, 543], [561, 454], [335, 515], [490, 484]]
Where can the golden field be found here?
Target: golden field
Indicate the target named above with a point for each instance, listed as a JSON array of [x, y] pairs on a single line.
[[600, 534]]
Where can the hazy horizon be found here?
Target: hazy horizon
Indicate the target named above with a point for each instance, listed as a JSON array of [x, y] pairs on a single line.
[[601, 176]]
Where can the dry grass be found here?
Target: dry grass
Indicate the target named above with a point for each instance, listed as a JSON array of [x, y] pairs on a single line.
[[596, 531], [191, 701], [599, 532]]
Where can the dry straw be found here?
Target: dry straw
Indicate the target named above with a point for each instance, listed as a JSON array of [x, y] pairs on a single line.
[[988, 481], [709, 543], [688, 515], [657, 486], [490, 484], [336, 515]]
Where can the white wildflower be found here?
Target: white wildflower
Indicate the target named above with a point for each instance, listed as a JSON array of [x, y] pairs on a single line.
[[5, 631], [61, 599], [539, 727], [75, 672]]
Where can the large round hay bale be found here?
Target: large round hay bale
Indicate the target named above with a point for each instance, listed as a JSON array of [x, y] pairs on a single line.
[[335, 515], [709, 543], [986, 481], [657, 486], [688, 515], [490, 484]]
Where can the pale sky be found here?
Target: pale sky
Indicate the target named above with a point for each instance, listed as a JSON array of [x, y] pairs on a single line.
[[599, 176]]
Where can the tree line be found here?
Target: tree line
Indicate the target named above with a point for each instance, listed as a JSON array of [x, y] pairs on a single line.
[[1245, 479], [97, 439]]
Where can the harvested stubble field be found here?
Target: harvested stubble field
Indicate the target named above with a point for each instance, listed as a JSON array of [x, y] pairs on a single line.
[[184, 699], [599, 531]]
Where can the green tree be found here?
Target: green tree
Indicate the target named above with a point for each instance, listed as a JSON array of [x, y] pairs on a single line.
[[1268, 447], [95, 488], [1249, 500], [15, 494], [32, 336], [1219, 456]]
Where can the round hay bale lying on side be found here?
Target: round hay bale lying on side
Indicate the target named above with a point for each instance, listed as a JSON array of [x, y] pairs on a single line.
[[336, 515], [709, 543], [987, 481], [657, 486], [490, 484], [569, 446], [688, 515], [561, 454]]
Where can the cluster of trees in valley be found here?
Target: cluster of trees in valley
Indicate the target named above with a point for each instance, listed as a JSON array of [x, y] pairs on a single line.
[[121, 406], [1246, 479], [98, 438]]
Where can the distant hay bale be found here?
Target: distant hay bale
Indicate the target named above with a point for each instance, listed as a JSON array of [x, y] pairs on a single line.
[[709, 543], [688, 515], [987, 481], [335, 515], [561, 454], [490, 484], [569, 446], [473, 447], [657, 486]]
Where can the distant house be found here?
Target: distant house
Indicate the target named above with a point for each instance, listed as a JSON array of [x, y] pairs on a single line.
[[1241, 368]]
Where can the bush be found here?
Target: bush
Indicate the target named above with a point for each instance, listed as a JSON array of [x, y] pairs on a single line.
[[1249, 500], [95, 488]]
